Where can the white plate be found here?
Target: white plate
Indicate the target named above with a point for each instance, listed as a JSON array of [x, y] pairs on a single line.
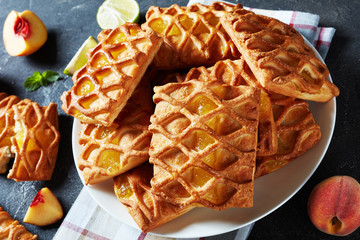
[[270, 191]]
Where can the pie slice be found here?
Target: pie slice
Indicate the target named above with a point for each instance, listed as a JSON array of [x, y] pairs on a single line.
[[114, 69], [204, 143], [35, 141], [110, 151], [297, 132], [278, 56], [193, 35], [11, 229]]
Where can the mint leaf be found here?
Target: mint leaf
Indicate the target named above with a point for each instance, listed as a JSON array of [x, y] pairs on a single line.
[[34, 82], [51, 76], [37, 75], [37, 80]]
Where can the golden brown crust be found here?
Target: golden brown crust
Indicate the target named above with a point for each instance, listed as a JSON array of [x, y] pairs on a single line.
[[204, 143], [236, 73], [35, 142], [193, 35], [110, 151], [279, 57], [103, 34], [148, 210], [297, 132], [11, 229], [114, 69]]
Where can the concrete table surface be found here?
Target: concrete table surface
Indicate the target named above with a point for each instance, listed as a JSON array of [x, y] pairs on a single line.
[[69, 23]]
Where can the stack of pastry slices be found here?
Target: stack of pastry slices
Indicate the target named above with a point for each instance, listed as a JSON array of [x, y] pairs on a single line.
[[230, 90]]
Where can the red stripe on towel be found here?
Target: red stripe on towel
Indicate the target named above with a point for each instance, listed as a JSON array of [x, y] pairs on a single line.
[[83, 231], [305, 26], [320, 41], [142, 236], [292, 20]]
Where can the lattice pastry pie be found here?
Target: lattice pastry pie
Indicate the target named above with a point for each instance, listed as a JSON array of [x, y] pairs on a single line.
[[204, 143], [110, 151], [278, 56], [11, 229], [35, 141], [113, 70], [193, 35], [297, 132]]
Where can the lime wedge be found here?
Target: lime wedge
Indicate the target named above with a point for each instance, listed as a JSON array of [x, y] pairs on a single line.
[[79, 58], [113, 13]]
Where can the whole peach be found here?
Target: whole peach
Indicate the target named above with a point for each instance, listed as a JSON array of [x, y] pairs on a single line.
[[334, 205]]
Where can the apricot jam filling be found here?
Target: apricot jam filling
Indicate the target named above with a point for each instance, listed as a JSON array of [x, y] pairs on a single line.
[[201, 105], [158, 25], [109, 160], [124, 190]]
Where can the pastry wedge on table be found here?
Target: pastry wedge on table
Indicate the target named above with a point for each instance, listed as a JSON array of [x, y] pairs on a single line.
[[113, 70], [11, 229], [35, 141], [110, 151], [278, 56], [204, 143], [193, 35]]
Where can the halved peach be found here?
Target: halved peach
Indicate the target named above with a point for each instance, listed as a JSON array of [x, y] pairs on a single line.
[[23, 33]]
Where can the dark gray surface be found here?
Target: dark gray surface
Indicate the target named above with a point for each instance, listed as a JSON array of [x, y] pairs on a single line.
[[69, 23]]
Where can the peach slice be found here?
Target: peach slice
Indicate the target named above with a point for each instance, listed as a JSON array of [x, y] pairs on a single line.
[[44, 210], [23, 33], [334, 205]]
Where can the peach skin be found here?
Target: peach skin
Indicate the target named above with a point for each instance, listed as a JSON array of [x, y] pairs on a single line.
[[334, 205]]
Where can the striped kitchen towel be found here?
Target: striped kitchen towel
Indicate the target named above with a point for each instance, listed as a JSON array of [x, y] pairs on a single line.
[[86, 220]]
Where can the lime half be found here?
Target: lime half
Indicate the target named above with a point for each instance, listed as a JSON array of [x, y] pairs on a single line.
[[113, 13], [79, 58]]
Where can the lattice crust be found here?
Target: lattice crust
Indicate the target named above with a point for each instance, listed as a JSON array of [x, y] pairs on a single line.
[[6, 129], [235, 73], [297, 132], [278, 56], [148, 210], [110, 151], [103, 34], [35, 142], [114, 69], [11, 229], [204, 143], [193, 35]]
